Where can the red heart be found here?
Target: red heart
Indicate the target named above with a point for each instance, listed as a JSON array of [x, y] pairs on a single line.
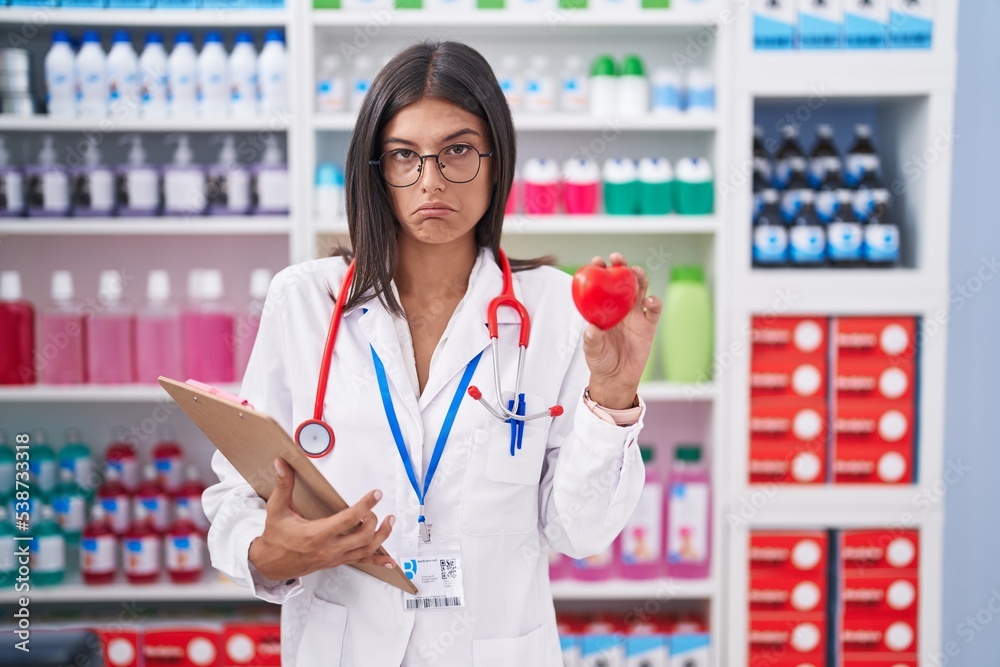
[[604, 295]]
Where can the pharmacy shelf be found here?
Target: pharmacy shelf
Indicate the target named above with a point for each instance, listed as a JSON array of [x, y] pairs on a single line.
[[229, 18], [842, 506], [678, 392], [165, 225], [622, 589], [123, 393], [556, 225], [43, 123], [568, 122]]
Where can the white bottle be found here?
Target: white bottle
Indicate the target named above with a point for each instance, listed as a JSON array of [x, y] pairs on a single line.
[[183, 181], [153, 78], [213, 85], [91, 82], [331, 90], [247, 325], [361, 80], [123, 77], [93, 185], [633, 88], [138, 182], [272, 74], [511, 82], [700, 90], [11, 184], [60, 78], [182, 78], [666, 95], [272, 180], [602, 86], [229, 181], [47, 183], [573, 86], [539, 86], [329, 193], [242, 77]]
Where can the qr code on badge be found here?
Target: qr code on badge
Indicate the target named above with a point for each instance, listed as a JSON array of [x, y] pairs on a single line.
[[448, 569]]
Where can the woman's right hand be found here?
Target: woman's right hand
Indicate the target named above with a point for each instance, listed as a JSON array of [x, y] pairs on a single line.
[[293, 546]]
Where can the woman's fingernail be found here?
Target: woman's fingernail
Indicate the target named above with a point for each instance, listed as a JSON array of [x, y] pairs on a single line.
[[390, 565], [278, 469], [378, 495], [392, 521]]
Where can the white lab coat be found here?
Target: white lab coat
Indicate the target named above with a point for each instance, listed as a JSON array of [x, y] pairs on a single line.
[[572, 486]]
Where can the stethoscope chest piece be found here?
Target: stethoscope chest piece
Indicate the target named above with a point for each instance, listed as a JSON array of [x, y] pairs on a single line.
[[315, 437]]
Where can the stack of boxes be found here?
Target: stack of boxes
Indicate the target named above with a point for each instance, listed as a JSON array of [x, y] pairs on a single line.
[[605, 640], [837, 24], [197, 644]]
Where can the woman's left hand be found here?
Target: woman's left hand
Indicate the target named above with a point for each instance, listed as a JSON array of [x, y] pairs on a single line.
[[618, 356]]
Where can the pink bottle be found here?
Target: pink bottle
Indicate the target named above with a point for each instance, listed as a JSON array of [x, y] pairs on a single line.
[[113, 497], [581, 186], [185, 549], [642, 537], [558, 565], [17, 332], [513, 199], [111, 335], [151, 500], [207, 330], [168, 459], [141, 547], [541, 187], [121, 456], [189, 496], [63, 340], [598, 567], [689, 511], [98, 549], [158, 332], [247, 326]]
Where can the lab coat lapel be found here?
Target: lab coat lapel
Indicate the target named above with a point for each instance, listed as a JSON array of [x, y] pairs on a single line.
[[377, 324]]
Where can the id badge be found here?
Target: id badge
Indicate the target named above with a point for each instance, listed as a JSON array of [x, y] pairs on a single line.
[[436, 570]]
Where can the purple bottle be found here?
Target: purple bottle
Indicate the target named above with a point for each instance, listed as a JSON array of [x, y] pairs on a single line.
[[689, 511]]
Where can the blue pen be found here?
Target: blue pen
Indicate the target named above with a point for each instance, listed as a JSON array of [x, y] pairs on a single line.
[[521, 407]]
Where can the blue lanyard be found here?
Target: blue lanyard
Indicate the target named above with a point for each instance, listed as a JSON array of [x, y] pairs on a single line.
[[397, 434]]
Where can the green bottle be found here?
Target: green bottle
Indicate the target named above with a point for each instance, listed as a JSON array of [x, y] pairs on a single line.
[[621, 187], [8, 562], [75, 457], [42, 464], [48, 549], [70, 504], [694, 188], [7, 468], [687, 331]]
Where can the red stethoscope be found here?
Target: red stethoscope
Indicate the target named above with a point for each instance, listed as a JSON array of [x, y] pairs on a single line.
[[315, 436]]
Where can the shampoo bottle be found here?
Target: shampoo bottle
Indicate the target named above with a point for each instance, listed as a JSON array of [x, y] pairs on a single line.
[[63, 337], [228, 181], [138, 182], [689, 537], [48, 184], [158, 332], [207, 330], [271, 182], [111, 335], [17, 332], [93, 186], [183, 181]]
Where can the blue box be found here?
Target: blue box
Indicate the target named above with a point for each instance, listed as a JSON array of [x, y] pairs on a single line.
[[266, 4], [774, 24], [911, 24], [866, 24], [88, 4], [651, 649], [605, 648], [130, 4], [34, 3], [225, 4], [178, 4], [690, 650], [821, 24]]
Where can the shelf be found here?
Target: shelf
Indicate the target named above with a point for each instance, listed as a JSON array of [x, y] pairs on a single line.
[[846, 74], [43, 123], [212, 588], [587, 224], [160, 225], [228, 18], [568, 122], [124, 393], [838, 506], [677, 392], [623, 589]]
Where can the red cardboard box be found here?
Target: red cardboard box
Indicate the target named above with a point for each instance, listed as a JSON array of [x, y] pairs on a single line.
[[782, 463], [879, 549], [878, 633], [874, 379], [787, 375], [878, 660], [791, 421], [120, 648], [790, 636], [790, 336], [769, 593], [795, 554], [872, 464], [880, 592], [193, 645], [873, 422], [256, 644], [875, 337]]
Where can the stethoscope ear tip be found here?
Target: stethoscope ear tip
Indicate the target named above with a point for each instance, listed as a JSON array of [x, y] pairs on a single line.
[[475, 393]]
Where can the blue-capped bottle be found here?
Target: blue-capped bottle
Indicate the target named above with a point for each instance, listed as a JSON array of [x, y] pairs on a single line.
[[828, 195], [70, 504], [824, 157], [47, 549], [791, 198], [807, 247], [844, 235], [42, 465], [882, 242], [770, 233], [789, 157], [862, 157], [75, 457]]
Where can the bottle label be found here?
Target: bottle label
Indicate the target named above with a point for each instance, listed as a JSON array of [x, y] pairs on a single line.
[[185, 553], [819, 167], [168, 468], [44, 473], [701, 98], [511, 91], [128, 471], [844, 240], [791, 202], [827, 204], [881, 243], [141, 555], [538, 94], [142, 190], [82, 469], [95, 190], [6, 478], [11, 192], [786, 166], [643, 534], [597, 561], [48, 553], [55, 191], [762, 166], [573, 94], [117, 511], [184, 190], [687, 539], [770, 244], [71, 512], [197, 513], [97, 554], [808, 244], [156, 510], [331, 96], [272, 189], [860, 164]]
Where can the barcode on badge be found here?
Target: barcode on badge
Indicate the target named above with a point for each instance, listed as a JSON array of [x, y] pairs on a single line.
[[433, 602], [447, 569]]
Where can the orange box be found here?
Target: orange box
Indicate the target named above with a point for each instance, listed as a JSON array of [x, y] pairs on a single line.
[[889, 592], [872, 464], [189, 645], [875, 337], [799, 554], [256, 644], [892, 549], [877, 633], [790, 336], [868, 378], [873, 422], [878, 660], [769, 593], [783, 463], [788, 375], [787, 636]]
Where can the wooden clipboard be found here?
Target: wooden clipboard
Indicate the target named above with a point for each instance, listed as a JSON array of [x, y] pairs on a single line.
[[251, 440]]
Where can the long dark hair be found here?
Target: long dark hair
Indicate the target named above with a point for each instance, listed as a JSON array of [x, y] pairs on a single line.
[[450, 71]]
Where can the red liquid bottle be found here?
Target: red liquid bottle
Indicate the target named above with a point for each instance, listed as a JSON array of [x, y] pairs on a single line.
[[153, 499], [141, 547], [185, 549], [113, 498], [169, 461], [98, 549], [17, 332], [122, 456], [189, 495]]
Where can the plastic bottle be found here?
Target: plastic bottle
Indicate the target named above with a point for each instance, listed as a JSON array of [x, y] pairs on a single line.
[[633, 88], [74, 456], [229, 182], [541, 187], [138, 182], [621, 186], [242, 76], [642, 537], [207, 330], [93, 186], [862, 158], [770, 233], [121, 455], [272, 74], [689, 502], [824, 157], [168, 461], [123, 77], [700, 90], [602, 87], [845, 238], [63, 335], [141, 547], [762, 167], [694, 188], [331, 88], [17, 333], [789, 157], [152, 498], [111, 335], [271, 185], [656, 186], [807, 236], [511, 82], [247, 326], [361, 80], [213, 83], [795, 188], [687, 326], [158, 332], [98, 549], [329, 194], [558, 564], [665, 96], [154, 81], [47, 186], [91, 77], [515, 198], [11, 185], [48, 549], [43, 466], [882, 242], [828, 195], [8, 547], [581, 186], [113, 498], [183, 181], [539, 86], [182, 78], [70, 504], [185, 549], [573, 86], [60, 77], [8, 464], [189, 496]]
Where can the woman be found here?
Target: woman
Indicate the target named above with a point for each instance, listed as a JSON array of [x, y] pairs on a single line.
[[429, 170]]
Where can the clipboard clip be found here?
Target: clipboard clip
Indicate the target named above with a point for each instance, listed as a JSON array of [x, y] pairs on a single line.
[[220, 393]]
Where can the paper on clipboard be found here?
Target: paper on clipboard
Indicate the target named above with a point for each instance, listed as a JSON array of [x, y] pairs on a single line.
[[251, 440]]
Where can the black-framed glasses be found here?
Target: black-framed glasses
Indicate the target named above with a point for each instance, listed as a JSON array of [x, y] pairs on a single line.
[[401, 167]]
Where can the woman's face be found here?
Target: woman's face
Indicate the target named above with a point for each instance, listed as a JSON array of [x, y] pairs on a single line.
[[435, 210]]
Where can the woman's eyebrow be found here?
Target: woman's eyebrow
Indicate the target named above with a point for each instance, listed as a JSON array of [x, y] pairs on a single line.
[[453, 135]]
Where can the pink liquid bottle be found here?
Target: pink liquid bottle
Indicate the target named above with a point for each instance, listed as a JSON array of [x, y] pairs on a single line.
[[63, 340], [247, 326], [642, 537], [121, 456], [141, 547], [207, 330], [185, 549], [599, 567], [689, 503], [111, 335], [189, 496], [151, 500], [514, 198], [98, 549], [17, 332], [558, 565], [581, 186], [168, 459], [113, 498], [158, 332], [541, 187]]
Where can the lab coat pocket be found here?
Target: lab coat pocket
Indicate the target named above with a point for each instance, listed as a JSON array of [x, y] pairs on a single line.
[[322, 642], [524, 650]]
